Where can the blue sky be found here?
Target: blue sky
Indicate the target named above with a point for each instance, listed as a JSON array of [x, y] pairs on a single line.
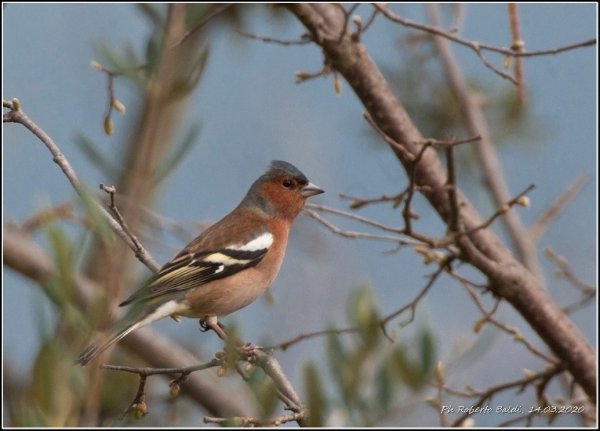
[[251, 111]]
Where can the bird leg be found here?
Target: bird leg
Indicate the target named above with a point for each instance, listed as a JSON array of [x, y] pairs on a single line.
[[246, 350], [211, 322]]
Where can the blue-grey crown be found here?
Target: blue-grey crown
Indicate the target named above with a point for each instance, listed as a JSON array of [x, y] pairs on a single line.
[[279, 166]]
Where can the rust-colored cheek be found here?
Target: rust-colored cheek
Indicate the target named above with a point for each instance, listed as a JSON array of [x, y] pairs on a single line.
[[287, 203]]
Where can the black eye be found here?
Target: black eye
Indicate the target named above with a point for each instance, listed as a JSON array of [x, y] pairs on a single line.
[[287, 183]]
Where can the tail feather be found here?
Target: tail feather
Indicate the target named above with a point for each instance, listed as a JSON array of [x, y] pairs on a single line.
[[137, 317], [93, 350]]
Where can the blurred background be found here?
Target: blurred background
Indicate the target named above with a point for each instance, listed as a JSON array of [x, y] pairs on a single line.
[[241, 108]]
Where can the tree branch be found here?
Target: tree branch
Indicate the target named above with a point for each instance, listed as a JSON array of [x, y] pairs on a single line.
[[507, 278], [25, 257], [492, 171], [541, 223], [17, 115]]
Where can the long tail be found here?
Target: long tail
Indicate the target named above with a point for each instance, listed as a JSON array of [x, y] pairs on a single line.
[[138, 316], [93, 350]]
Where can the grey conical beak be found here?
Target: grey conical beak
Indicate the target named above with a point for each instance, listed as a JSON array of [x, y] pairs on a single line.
[[310, 190]]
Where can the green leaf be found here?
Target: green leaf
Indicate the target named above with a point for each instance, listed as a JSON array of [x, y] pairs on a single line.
[[264, 392], [152, 13], [95, 217], [317, 402], [428, 357], [90, 150], [178, 154], [384, 385], [187, 84], [364, 315]]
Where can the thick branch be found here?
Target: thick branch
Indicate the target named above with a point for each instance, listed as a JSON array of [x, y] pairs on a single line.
[[490, 163], [507, 277], [25, 257]]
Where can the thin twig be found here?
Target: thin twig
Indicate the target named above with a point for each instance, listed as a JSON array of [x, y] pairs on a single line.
[[407, 213], [486, 395], [147, 371], [451, 186], [541, 223], [217, 10], [517, 46], [493, 174], [62, 211], [356, 235], [357, 203], [517, 200], [246, 421], [412, 305], [112, 101], [305, 38], [487, 317], [286, 344], [17, 115], [111, 190], [356, 217], [479, 47], [347, 15], [406, 155], [565, 271], [370, 21]]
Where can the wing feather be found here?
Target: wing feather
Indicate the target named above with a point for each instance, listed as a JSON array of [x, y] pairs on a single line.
[[188, 270]]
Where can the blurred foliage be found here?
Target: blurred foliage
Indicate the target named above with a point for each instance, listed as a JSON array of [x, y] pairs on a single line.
[[138, 69], [417, 77], [366, 373], [369, 373], [421, 86]]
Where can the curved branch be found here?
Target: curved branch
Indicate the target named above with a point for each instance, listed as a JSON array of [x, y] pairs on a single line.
[[17, 115], [507, 277], [25, 257]]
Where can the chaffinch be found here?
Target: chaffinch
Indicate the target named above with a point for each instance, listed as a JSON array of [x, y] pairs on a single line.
[[228, 265]]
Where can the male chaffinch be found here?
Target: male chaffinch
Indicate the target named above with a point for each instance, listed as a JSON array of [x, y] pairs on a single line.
[[228, 265]]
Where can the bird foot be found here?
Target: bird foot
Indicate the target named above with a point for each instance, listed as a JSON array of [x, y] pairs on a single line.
[[249, 351], [212, 323]]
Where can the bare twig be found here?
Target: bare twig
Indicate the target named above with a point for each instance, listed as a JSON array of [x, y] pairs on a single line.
[[267, 362], [355, 217], [458, 18], [286, 344], [26, 257], [138, 405], [112, 101], [347, 15], [479, 47], [493, 173], [304, 39], [503, 209], [217, 10], [111, 190], [517, 46], [357, 235], [412, 305], [487, 317], [147, 371], [487, 394], [391, 142], [588, 292], [541, 223], [307, 76], [247, 421], [356, 203], [437, 143], [17, 115], [452, 187], [39, 219]]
